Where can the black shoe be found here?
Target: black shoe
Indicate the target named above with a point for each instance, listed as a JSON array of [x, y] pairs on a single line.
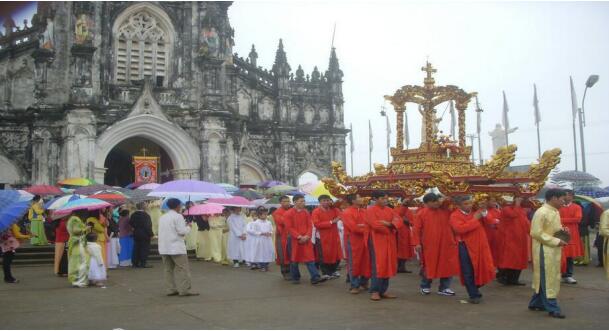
[[502, 281], [536, 308], [172, 294], [318, 280], [556, 314], [474, 301], [518, 283], [11, 281]]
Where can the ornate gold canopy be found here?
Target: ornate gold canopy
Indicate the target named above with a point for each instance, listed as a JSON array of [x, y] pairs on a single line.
[[440, 161]]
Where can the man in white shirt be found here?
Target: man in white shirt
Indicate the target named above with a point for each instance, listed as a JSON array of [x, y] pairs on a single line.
[[172, 230]]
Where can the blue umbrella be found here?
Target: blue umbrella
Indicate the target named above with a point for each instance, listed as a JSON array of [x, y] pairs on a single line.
[[12, 213], [8, 197]]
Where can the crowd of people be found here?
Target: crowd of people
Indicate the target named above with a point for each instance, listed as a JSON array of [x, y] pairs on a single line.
[[478, 240]]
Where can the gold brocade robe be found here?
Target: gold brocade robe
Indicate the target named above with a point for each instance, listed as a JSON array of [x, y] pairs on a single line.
[[545, 223], [603, 229]]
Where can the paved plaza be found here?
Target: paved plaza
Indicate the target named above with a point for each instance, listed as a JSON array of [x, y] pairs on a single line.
[[244, 299]]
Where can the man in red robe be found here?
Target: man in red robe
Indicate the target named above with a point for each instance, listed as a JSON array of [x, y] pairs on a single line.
[[384, 224], [570, 217], [300, 227], [436, 245], [475, 259], [491, 224], [513, 234], [329, 252], [281, 237], [405, 247], [356, 243]]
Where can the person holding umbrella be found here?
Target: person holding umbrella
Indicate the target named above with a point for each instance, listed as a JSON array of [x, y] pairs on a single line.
[[11, 236]]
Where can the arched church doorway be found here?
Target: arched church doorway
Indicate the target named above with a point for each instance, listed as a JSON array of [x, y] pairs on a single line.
[[307, 177], [119, 162]]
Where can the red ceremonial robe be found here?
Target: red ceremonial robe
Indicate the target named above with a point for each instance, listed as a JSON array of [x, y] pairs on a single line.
[[491, 226], [281, 236], [405, 246], [440, 252], [570, 217], [298, 223], [471, 231], [513, 234], [357, 232], [331, 251], [384, 239]]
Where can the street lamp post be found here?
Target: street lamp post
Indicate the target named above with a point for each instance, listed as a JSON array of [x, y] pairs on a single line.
[[582, 117], [388, 132]]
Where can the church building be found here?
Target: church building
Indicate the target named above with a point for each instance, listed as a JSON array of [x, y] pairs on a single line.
[[87, 88]]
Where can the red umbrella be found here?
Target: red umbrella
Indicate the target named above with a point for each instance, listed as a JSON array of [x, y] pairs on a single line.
[[113, 198], [44, 190]]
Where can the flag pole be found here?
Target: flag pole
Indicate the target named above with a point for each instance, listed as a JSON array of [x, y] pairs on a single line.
[[369, 146], [537, 120], [352, 147], [574, 110], [478, 129]]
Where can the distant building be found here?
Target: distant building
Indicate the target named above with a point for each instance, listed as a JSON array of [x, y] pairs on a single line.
[[91, 84]]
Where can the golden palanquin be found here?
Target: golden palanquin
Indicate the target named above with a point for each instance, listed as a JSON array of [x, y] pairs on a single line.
[[440, 162]]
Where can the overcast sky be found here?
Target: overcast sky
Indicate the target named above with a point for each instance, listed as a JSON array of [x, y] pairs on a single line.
[[485, 47]]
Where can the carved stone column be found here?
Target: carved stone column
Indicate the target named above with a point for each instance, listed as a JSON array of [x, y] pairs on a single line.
[[461, 106]]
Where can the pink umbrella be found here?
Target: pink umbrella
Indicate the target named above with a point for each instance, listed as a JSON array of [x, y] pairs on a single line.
[[233, 202], [205, 209], [149, 186]]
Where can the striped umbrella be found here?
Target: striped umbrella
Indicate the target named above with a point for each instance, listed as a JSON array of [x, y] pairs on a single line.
[[81, 204], [62, 201], [113, 198]]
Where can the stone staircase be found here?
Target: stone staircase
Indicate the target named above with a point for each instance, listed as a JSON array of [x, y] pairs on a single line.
[[36, 255]]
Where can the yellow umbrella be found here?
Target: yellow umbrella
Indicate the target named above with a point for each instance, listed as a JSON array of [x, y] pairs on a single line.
[[321, 190]]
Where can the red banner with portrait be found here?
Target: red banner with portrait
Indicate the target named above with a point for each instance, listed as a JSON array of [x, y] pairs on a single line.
[[146, 169]]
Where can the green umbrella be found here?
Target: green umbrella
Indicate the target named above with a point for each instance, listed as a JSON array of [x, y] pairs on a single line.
[[280, 189]]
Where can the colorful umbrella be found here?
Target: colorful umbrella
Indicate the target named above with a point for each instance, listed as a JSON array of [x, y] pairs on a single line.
[[320, 190], [270, 183], [113, 198], [76, 182], [233, 202], [280, 189], [597, 205], [92, 189], [25, 196], [62, 201], [139, 195], [230, 188], [135, 185], [8, 197], [309, 187], [44, 190], [248, 194], [81, 204], [194, 189], [149, 186], [205, 209], [12, 213]]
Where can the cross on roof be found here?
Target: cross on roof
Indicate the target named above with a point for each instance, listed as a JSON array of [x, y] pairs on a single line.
[[429, 69]]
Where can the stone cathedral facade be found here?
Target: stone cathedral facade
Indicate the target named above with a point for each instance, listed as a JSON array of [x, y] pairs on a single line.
[[85, 82]]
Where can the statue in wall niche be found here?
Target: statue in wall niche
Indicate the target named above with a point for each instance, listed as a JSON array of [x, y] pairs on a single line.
[[82, 30], [210, 43], [48, 41]]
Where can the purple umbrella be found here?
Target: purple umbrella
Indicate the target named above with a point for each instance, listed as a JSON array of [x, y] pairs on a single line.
[[270, 183], [194, 189]]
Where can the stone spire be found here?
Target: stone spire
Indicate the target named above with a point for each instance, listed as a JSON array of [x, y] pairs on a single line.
[[253, 56], [334, 74], [281, 66]]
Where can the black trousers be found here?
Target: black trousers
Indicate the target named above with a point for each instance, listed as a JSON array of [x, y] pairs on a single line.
[[7, 260], [63, 264], [508, 276], [328, 268], [141, 249]]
